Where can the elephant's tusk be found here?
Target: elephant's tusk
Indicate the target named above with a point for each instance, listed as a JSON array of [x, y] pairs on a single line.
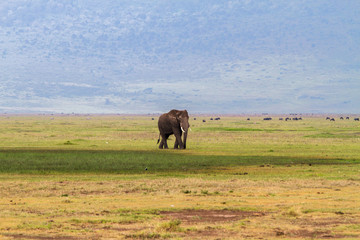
[[182, 129], [190, 130]]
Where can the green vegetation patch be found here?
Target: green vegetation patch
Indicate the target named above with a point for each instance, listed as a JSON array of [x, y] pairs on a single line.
[[129, 162], [334, 135], [230, 129]]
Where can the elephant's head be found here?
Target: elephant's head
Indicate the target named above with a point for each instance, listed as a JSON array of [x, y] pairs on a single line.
[[183, 119]]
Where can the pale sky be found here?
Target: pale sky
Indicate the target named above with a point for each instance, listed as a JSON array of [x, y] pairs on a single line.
[[151, 56]]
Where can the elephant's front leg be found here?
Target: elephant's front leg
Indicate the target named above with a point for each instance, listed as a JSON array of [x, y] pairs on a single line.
[[176, 145], [178, 141]]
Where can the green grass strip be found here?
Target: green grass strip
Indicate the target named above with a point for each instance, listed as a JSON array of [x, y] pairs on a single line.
[[130, 162]]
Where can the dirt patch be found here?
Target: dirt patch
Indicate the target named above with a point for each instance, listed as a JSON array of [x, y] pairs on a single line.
[[208, 233], [326, 222], [39, 237], [192, 216], [304, 233]]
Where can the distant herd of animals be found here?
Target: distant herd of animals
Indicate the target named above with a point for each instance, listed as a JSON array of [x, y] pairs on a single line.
[[341, 118], [300, 118], [281, 119], [177, 122]]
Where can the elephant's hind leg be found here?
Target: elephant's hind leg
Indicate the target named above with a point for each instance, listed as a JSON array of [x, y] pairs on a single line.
[[161, 146], [163, 143]]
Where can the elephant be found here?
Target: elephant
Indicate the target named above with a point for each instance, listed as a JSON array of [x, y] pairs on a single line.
[[174, 122]]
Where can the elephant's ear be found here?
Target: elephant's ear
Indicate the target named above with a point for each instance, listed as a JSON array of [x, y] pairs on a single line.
[[178, 115]]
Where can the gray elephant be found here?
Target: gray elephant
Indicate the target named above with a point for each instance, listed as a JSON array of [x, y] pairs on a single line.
[[174, 122]]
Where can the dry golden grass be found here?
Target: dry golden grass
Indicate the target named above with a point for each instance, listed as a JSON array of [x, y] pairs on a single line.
[[111, 207]]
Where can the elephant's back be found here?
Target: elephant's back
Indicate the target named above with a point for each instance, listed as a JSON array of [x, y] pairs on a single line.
[[162, 119], [165, 124]]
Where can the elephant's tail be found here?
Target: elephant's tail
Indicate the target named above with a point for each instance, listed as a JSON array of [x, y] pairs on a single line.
[[158, 139]]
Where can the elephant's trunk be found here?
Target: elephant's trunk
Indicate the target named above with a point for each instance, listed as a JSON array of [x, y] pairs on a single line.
[[185, 136], [184, 125]]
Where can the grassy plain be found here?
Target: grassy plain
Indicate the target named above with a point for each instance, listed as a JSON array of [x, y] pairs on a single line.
[[84, 177]]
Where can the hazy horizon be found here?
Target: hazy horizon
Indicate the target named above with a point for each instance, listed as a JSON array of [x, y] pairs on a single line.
[[140, 57]]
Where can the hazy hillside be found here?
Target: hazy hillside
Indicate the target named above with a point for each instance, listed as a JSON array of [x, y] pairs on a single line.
[[206, 56]]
